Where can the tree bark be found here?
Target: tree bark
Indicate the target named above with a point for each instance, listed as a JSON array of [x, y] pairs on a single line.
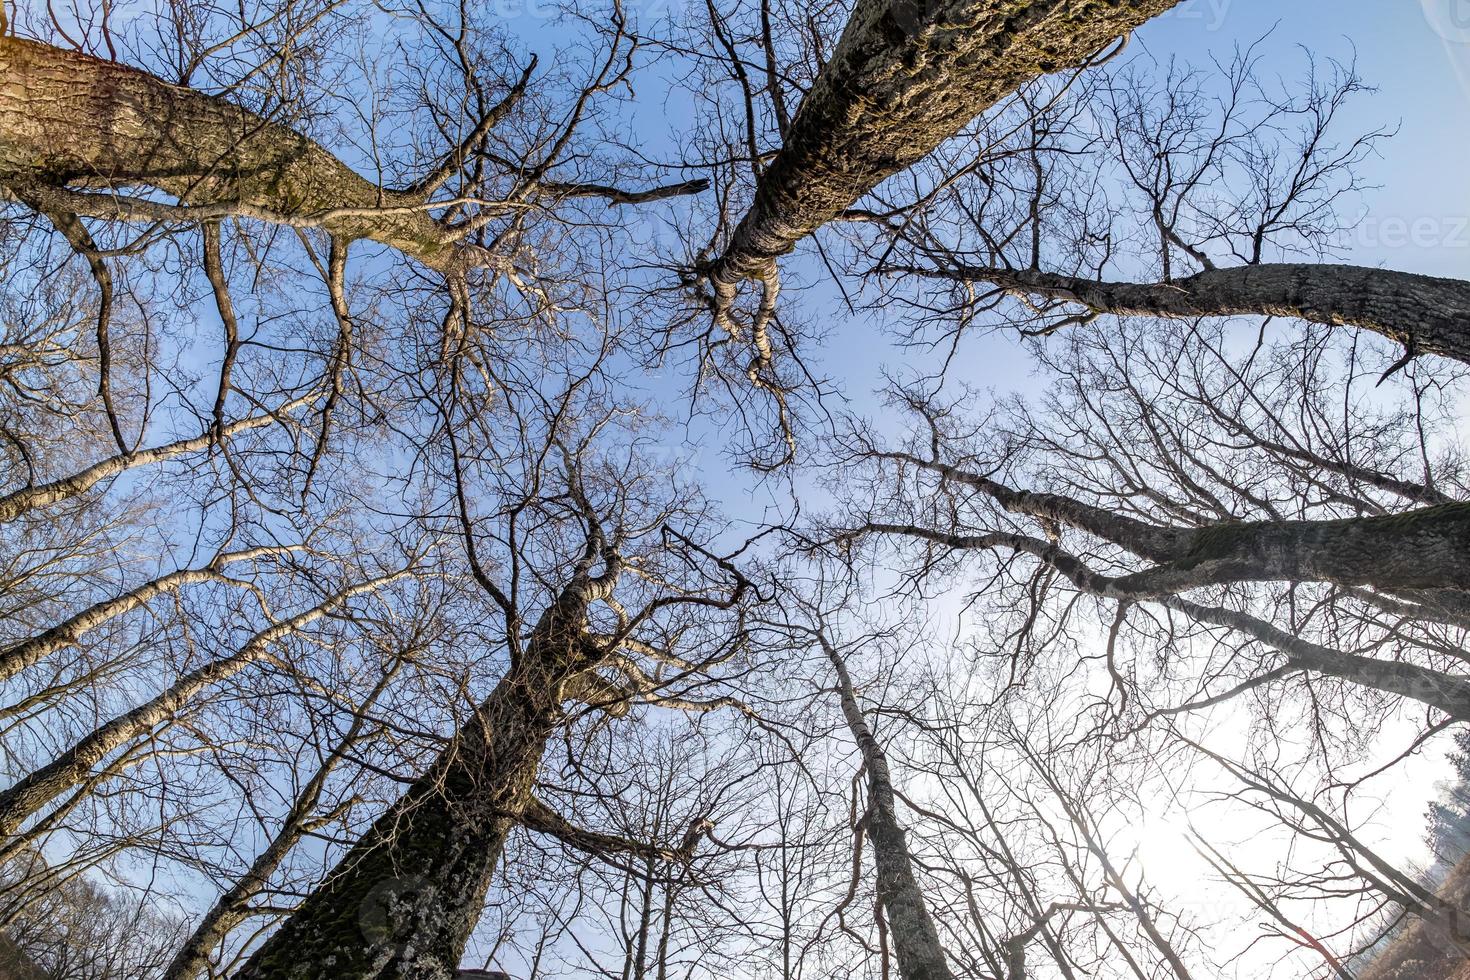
[[1446, 692], [915, 940], [1427, 315], [69, 117], [402, 903], [1152, 541], [1427, 548], [905, 76], [1016, 945]]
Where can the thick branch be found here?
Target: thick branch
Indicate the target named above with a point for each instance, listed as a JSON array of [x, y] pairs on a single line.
[[233, 907], [541, 818], [1418, 549], [68, 117], [916, 941], [73, 766], [1016, 945], [13, 505], [1447, 692], [1158, 543], [594, 690], [1426, 314], [616, 196], [28, 652]]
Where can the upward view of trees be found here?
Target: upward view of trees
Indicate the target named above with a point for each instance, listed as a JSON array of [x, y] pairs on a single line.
[[433, 543]]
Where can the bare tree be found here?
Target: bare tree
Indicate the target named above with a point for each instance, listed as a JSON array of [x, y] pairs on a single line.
[[1232, 186], [581, 627], [1192, 532], [837, 147], [83, 931], [915, 940], [354, 595]]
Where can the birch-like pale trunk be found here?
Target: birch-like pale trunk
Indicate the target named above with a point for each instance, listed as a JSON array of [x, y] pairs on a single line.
[[29, 652], [73, 766], [26, 499]]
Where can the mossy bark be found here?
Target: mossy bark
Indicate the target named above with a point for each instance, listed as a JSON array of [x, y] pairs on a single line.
[[403, 901]]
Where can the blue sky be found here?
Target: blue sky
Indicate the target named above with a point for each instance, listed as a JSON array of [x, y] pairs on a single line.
[[1415, 215], [1416, 52], [1416, 219]]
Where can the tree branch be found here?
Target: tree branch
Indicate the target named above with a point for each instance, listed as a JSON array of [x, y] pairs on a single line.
[[1426, 314]]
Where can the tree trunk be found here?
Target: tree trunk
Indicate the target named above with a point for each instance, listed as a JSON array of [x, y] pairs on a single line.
[[1418, 551], [401, 904], [1424, 549], [1428, 548], [915, 940], [905, 76], [1447, 692]]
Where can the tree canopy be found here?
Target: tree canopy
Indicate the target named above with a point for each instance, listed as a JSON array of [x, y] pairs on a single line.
[[745, 489]]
